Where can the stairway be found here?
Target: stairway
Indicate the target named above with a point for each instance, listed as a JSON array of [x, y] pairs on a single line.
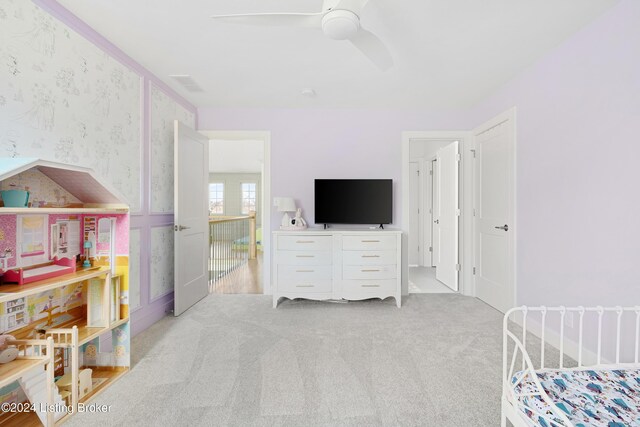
[[34, 385]]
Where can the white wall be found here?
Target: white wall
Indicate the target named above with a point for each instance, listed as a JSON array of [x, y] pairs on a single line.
[[578, 233], [330, 143]]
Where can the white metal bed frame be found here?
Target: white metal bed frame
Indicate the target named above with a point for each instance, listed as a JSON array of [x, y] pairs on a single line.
[[512, 407]]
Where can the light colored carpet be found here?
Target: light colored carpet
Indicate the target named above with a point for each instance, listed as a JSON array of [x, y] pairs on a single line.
[[232, 360]]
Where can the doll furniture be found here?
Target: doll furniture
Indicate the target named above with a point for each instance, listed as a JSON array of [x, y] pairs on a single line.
[[82, 313], [33, 370], [57, 267]]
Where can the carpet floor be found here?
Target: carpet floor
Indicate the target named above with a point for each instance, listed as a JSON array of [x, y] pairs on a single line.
[[232, 360]]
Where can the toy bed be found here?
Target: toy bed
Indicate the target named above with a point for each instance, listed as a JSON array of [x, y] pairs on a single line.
[[586, 394], [57, 267]]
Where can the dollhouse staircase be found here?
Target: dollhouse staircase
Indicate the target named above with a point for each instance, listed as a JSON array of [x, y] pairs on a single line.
[[34, 386]]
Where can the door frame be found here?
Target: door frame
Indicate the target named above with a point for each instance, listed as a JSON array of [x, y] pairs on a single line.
[[465, 194], [265, 137], [510, 115]]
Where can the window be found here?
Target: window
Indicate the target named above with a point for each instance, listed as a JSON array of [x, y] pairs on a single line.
[[32, 242], [248, 197], [216, 198]]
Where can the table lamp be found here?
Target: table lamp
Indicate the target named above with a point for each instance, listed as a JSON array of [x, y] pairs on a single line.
[[286, 205], [87, 248]]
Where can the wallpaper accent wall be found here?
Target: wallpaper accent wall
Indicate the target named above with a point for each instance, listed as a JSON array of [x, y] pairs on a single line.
[[69, 95], [161, 261], [164, 111], [62, 99]]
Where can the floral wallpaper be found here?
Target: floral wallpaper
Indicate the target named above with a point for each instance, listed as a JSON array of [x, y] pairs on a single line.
[[164, 110], [63, 99], [134, 269], [161, 261]]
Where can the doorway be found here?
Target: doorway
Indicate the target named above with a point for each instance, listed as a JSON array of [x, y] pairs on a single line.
[[433, 215], [239, 190], [486, 202]]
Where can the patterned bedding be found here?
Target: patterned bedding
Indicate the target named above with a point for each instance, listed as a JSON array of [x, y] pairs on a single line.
[[587, 397]]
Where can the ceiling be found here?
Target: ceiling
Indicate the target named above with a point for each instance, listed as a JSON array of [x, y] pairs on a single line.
[[237, 156], [448, 54]]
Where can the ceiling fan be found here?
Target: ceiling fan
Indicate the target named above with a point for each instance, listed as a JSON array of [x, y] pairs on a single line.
[[339, 20]]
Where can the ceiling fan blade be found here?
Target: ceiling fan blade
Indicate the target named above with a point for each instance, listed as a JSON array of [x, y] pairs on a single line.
[[373, 48], [274, 19]]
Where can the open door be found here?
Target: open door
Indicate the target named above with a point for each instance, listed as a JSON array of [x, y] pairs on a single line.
[[191, 180], [446, 214], [495, 212]]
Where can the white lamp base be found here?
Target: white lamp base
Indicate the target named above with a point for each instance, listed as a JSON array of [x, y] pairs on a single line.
[[286, 220]]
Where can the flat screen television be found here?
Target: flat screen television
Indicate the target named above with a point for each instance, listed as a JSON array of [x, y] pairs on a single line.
[[353, 201]]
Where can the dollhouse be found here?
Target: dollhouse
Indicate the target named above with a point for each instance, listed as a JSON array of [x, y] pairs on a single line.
[[63, 288]]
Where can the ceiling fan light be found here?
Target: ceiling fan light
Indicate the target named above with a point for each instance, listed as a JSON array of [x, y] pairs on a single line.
[[340, 24]]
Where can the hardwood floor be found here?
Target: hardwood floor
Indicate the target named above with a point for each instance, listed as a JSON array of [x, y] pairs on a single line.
[[246, 279]]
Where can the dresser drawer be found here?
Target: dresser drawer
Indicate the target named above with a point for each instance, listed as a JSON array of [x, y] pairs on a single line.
[[366, 286], [304, 258], [304, 272], [305, 243], [368, 272], [303, 286], [369, 257], [369, 243]]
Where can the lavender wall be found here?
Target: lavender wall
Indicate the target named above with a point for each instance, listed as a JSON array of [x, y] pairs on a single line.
[[150, 310], [578, 121], [330, 143]]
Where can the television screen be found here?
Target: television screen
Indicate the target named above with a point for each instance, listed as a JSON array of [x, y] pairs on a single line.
[[353, 201]]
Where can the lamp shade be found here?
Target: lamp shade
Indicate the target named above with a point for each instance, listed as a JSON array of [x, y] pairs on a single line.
[[87, 244], [286, 204]]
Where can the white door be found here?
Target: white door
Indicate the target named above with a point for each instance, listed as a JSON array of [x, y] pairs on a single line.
[[435, 217], [414, 214], [494, 198], [447, 214], [191, 178]]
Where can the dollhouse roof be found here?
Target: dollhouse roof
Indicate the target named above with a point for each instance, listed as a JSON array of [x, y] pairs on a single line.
[[81, 182]]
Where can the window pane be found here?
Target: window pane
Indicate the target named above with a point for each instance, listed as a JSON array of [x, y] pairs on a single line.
[[248, 197], [216, 198]]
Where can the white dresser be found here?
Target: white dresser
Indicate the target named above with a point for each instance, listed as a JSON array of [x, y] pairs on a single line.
[[337, 264]]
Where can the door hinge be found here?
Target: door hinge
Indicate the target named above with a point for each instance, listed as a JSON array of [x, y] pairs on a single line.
[[474, 212], [459, 157], [418, 172], [474, 271], [474, 153], [430, 248], [458, 267], [458, 212], [418, 248]]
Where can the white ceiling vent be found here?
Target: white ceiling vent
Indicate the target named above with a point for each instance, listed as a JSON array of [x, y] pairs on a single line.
[[187, 82]]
